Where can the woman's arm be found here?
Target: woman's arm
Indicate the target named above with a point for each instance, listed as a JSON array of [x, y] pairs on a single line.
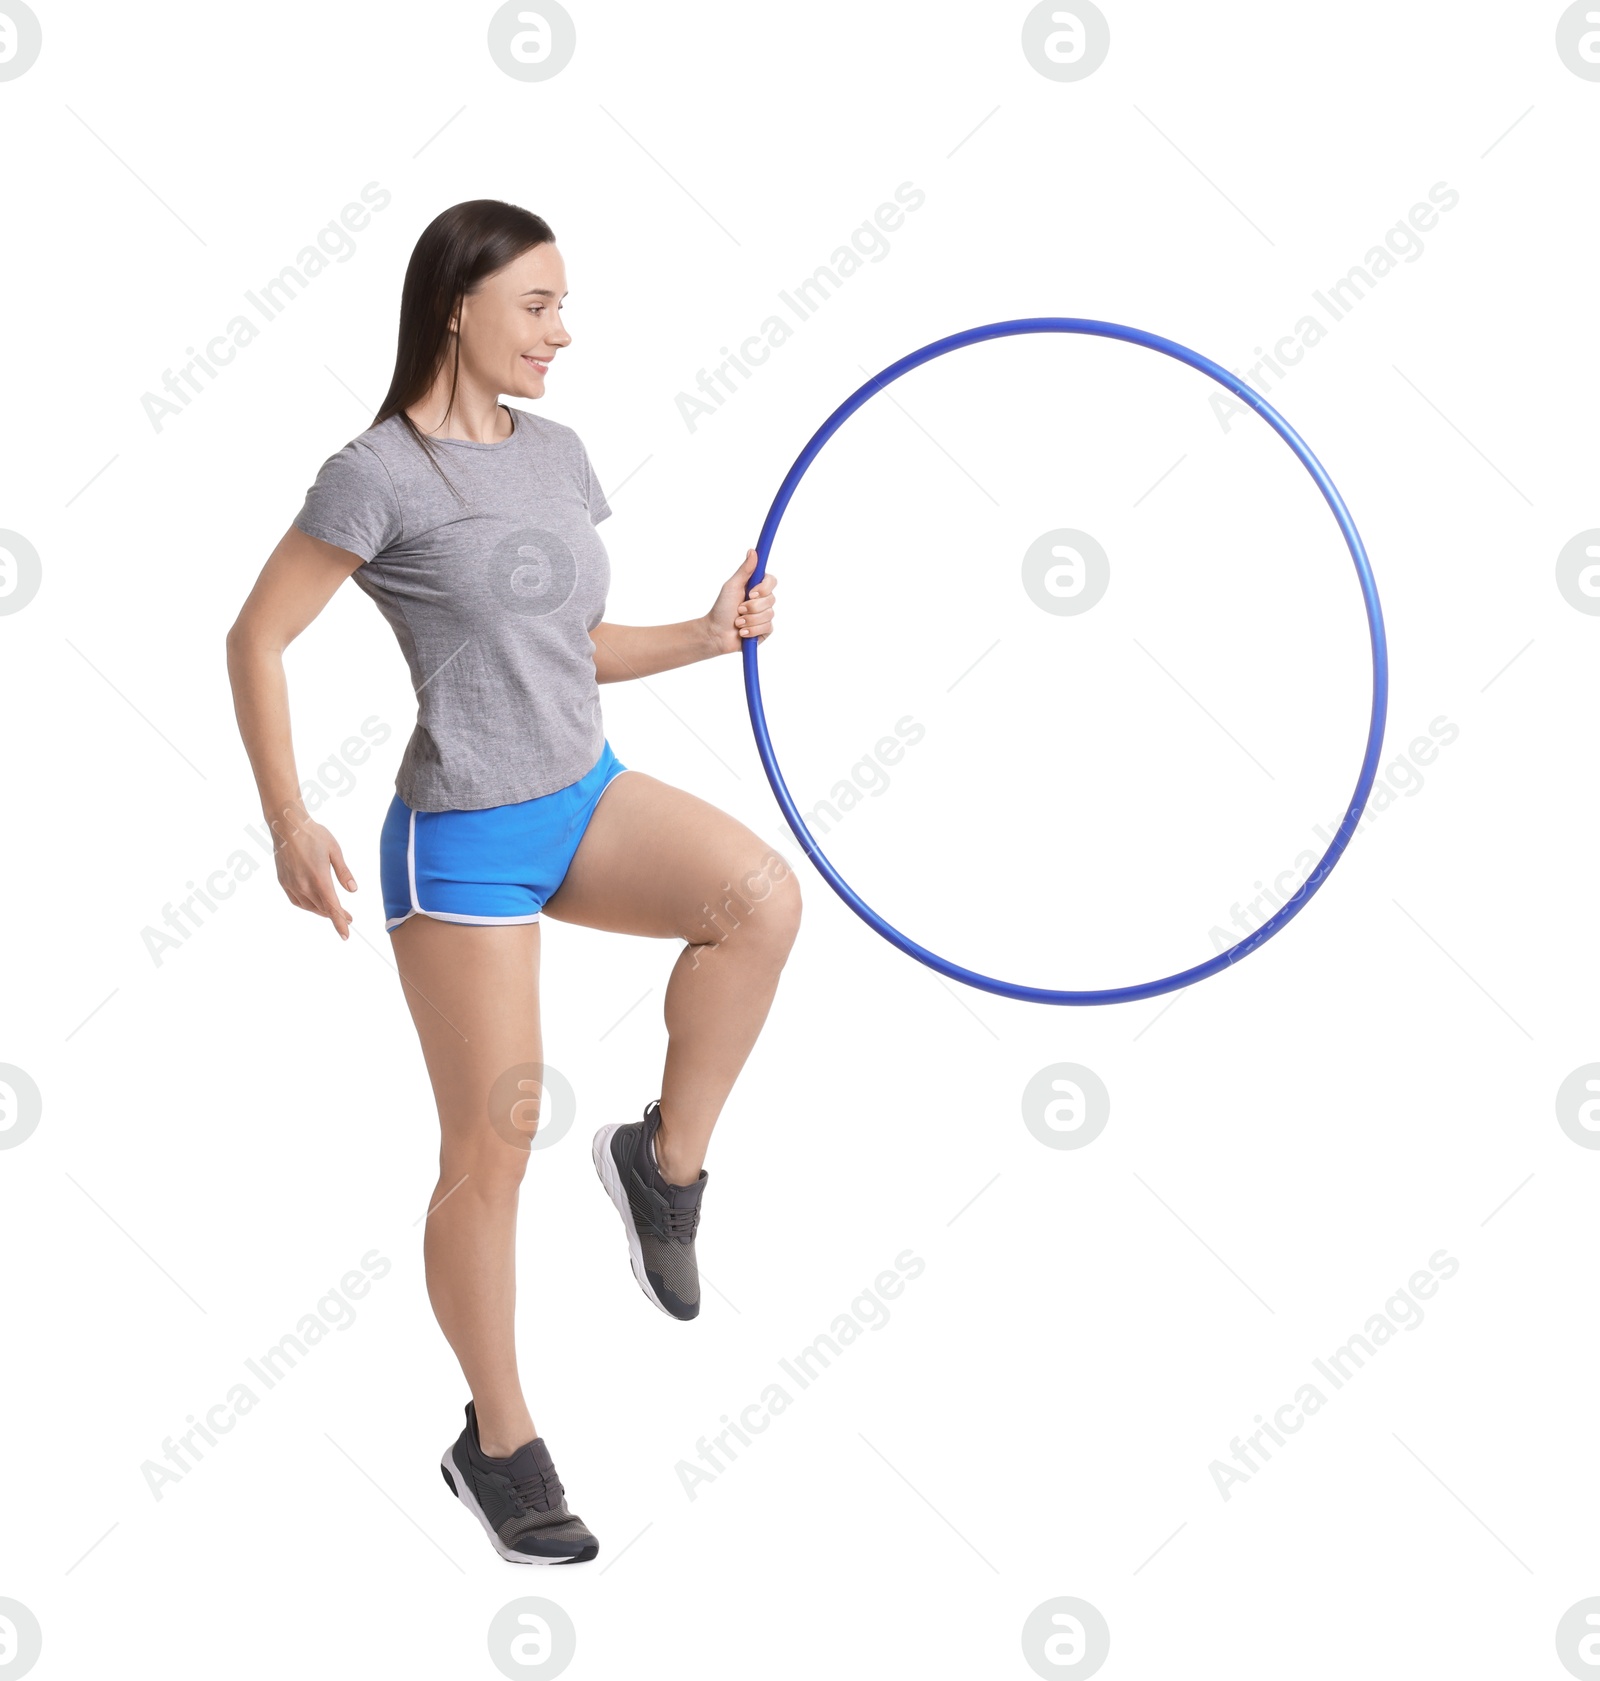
[[624, 651], [296, 583]]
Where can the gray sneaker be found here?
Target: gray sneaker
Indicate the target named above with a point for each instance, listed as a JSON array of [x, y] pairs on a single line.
[[519, 1500], [661, 1219]]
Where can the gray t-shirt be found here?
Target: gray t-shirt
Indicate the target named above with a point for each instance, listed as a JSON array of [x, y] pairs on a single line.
[[492, 597]]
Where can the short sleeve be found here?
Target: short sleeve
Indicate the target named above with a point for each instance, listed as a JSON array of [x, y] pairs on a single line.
[[599, 508], [353, 503]]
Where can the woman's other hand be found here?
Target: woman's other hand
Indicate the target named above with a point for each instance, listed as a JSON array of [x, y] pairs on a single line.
[[308, 860]]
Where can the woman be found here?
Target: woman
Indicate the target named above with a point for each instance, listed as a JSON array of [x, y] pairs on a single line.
[[472, 527]]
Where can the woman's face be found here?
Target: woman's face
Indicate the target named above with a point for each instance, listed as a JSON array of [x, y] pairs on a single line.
[[511, 325]]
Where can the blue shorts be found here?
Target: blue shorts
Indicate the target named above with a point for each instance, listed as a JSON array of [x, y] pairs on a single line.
[[494, 866]]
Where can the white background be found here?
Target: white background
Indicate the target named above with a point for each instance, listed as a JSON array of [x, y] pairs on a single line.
[[227, 1132]]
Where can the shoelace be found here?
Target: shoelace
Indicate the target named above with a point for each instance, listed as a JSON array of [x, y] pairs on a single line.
[[677, 1224], [680, 1224], [538, 1490]]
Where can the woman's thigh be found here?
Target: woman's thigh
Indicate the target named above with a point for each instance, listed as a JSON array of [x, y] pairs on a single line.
[[658, 861], [474, 997]]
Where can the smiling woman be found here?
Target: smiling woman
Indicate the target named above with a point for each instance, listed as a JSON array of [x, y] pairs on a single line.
[[472, 526]]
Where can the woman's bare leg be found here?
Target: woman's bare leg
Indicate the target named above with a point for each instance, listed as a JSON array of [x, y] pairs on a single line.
[[474, 996], [660, 862]]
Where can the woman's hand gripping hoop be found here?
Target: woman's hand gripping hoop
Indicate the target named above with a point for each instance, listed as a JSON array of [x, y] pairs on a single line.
[[1369, 593]]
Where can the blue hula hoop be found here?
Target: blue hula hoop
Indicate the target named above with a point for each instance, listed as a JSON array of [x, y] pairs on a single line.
[[1369, 593]]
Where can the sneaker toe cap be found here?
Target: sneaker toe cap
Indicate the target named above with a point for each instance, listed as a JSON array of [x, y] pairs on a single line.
[[670, 1299], [566, 1543]]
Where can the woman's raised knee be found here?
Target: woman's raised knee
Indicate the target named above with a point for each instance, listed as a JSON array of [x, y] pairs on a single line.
[[758, 908], [780, 911]]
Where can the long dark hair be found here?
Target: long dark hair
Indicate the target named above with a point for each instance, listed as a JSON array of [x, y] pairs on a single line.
[[459, 248]]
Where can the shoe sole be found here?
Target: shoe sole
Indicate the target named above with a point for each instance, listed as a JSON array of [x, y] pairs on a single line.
[[605, 1165], [464, 1494]]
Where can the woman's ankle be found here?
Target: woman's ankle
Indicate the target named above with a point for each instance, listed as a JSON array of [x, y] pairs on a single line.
[[500, 1437], [676, 1165]]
